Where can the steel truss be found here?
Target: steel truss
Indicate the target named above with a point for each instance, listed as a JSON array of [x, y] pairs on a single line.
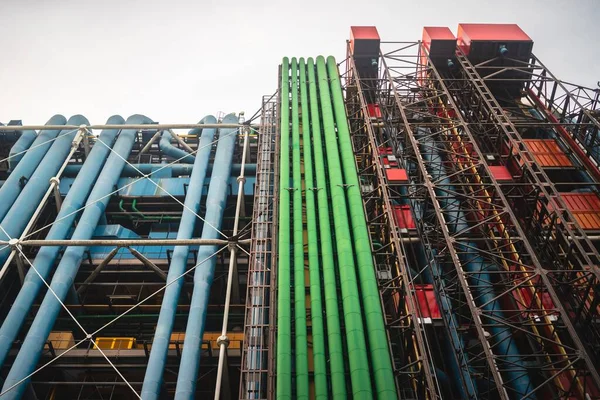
[[568, 253], [411, 356], [425, 127], [259, 332], [126, 299]]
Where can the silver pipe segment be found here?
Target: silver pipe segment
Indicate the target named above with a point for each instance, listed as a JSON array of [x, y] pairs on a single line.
[[62, 281], [47, 255], [56, 126], [164, 327], [203, 276], [13, 185], [126, 242]]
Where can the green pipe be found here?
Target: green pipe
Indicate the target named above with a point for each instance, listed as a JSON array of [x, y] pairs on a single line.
[[284, 318], [334, 332], [355, 335], [316, 305], [298, 228], [378, 340]]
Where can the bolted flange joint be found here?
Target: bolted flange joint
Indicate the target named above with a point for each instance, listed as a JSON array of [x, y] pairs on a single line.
[[55, 180], [241, 179], [223, 340]]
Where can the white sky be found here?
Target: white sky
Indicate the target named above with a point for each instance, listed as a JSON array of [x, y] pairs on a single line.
[[176, 61]]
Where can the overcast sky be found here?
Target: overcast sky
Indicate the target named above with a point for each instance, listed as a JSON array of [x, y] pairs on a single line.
[[177, 60]]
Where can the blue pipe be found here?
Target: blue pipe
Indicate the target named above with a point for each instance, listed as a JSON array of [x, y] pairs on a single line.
[[62, 281], [17, 151], [44, 261], [166, 318], [18, 216], [12, 186], [474, 263], [175, 152], [203, 276], [176, 169]]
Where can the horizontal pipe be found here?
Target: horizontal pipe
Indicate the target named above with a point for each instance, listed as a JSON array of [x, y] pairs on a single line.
[[128, 242], [136, 170], [128, 126]]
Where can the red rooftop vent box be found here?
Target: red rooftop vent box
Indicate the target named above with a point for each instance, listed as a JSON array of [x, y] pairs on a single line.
[[364, 41], [440, 43], [364, 46], [483, 42]]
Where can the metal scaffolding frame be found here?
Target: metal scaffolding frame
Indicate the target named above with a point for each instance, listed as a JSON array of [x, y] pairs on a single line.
[[415, 376], [257, 377], [145, 286], [425, 127]]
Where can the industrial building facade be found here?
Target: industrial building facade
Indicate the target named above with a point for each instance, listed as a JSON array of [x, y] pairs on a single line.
[[419, 221]]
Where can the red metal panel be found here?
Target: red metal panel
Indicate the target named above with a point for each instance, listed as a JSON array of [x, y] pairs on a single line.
[[585, 207], [396, 175], [439, 41], [501, 173], [547, 153], [427, 303], [374, 111], [404, 217], [492, 32]]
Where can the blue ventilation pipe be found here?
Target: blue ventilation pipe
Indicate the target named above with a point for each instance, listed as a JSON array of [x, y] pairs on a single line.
[[24, 207], [466, 387], [137, 170], [18, 150], [12, 186], [478, 268], [166, 318], [44, 261], [203, 276], [175, 152], [62, 281]]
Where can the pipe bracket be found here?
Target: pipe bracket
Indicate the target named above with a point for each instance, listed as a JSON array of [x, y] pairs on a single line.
[[223, 340]]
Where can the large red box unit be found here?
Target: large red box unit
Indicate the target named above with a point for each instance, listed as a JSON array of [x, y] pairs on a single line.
[[483, 41]]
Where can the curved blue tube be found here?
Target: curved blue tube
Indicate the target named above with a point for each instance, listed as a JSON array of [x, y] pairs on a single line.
[[28, 200], [479, 269], [18, 150], [44, 261], [203, 276], [62, 281], [175, 152], [164, 328], [12, 186]]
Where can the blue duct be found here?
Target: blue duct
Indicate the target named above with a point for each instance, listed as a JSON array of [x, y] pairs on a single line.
[[175, 152], [62, 281], [46, 256], [475, 264], [460, 368], [136, 170], [164, 328], [12, 186], [22, 210], [203, 276], [17, 151]]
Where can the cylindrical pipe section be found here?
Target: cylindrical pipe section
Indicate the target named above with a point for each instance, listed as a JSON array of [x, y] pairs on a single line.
[[378, 339], [10, 189], [203, 276], [46, 256], [164, 328], [62, 280], [358, 359]]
